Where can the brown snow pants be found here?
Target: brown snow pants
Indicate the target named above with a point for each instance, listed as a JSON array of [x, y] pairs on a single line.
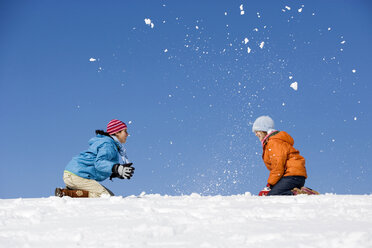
[[75, 182]]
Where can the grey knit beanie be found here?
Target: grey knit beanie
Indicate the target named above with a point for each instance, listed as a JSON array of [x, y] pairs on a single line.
[[263, 123]]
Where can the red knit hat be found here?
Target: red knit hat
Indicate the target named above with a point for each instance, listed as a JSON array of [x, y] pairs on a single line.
[[115, 126]]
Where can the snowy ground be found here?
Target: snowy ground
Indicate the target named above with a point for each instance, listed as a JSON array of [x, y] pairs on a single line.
[[188, 221]]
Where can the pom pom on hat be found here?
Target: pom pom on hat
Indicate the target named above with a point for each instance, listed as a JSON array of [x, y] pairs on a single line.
[[115, 126], [263, 123]]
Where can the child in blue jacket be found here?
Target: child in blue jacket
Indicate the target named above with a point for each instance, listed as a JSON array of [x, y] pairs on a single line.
[[105, 157]]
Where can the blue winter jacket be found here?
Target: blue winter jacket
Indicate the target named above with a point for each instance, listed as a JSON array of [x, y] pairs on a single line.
[[96, 163]]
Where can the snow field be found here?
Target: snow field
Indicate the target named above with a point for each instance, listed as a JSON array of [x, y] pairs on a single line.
[[188, 221]]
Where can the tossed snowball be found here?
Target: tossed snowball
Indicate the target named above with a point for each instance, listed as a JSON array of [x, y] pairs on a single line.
[[294, 86], [147, 21], [288, 8], [248, 50], [354, 71], [299, 10], [246, 40], [262, 44], [92, 59]]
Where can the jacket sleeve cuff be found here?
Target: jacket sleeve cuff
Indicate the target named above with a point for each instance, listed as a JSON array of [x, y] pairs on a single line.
[[115, 168]]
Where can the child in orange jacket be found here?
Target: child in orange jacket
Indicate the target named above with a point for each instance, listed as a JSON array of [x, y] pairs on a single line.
[[286, 165]]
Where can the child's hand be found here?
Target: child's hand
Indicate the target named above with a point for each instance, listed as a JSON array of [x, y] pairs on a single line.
[[265, 190], [124, 171]]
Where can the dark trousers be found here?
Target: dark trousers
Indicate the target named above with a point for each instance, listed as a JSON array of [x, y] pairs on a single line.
[[286, 184]]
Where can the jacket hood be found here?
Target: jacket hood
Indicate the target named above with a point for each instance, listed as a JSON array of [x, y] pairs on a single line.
[[283, 136], [103, 138]]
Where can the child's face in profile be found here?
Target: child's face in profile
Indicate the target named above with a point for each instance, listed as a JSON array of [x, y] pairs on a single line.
[[122, 136], [261, 135]]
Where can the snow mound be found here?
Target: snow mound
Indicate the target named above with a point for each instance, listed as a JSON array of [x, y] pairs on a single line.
[[188, 221]]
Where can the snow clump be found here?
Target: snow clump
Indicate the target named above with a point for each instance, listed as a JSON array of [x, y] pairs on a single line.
[[241, 10], [294, 86], [149, 22]]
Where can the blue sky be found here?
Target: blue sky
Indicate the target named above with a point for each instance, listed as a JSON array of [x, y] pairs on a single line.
[[189, 89]]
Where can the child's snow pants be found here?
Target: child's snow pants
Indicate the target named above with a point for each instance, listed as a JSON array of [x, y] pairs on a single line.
[[95, 189], [286, 184]]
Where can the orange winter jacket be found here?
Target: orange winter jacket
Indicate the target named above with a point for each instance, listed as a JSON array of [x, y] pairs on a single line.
[[281, 158]]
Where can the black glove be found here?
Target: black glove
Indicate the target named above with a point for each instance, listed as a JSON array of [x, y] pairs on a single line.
[[122, 171]]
